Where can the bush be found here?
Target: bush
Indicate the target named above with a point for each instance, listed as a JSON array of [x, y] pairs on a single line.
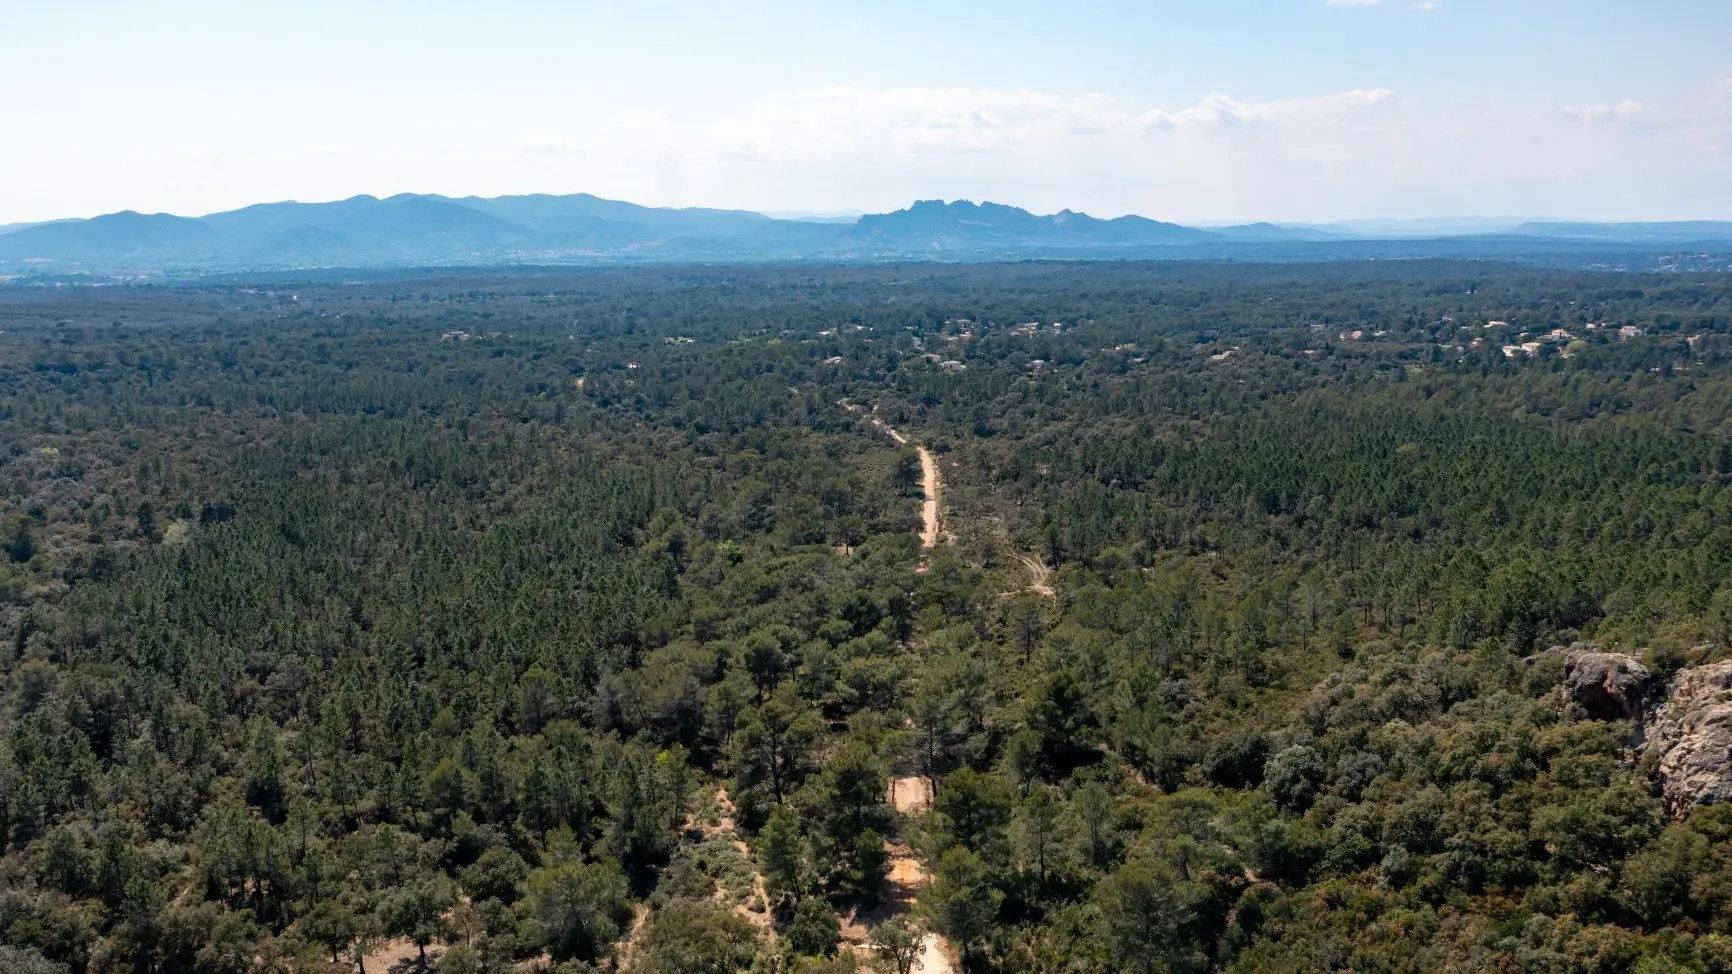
[[1293, 775]]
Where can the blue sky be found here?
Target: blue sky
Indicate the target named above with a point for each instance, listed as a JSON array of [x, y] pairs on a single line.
[[1297, 110]]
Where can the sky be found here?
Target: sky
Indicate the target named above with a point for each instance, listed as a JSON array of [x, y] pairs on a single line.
[[1207, 111]]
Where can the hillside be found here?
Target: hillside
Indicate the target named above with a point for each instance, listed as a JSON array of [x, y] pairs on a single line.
[[402, 230]]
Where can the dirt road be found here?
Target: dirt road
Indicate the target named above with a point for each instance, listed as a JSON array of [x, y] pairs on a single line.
[[911, 796], [931, 483]]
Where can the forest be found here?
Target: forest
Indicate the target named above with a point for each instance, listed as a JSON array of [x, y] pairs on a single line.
[[1363, 616]]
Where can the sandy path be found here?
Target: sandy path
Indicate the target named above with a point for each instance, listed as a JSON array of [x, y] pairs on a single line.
[[933, 959], [931, 483], [911, 796], [633, 937], [1040, 575], [725, 828], [387, 955], [906, 876]]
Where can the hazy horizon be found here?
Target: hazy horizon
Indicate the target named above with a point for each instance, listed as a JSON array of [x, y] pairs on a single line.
[[1286, 111], [1368, 224]]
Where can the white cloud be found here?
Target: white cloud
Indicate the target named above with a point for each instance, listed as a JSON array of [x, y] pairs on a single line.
[[1362, 152], [847, 121], [1331, 155], [1623, 111], [550, 147]]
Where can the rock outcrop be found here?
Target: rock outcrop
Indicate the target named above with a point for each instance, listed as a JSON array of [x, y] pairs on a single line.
[[1609, 686], [1683, 726], [1693, 732]]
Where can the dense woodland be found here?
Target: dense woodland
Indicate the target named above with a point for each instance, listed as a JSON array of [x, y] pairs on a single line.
[[579, 621]]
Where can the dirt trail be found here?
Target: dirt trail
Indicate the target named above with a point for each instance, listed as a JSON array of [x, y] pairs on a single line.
[[933, 959], [725, 828], [388, 955], [1040, 575], [633, 937], [911, 796], [931, 483]]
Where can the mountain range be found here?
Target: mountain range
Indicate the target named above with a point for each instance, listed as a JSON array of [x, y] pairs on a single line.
[[412, 230]]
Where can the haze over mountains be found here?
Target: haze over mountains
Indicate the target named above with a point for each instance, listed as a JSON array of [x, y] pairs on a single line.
[[411, 230]]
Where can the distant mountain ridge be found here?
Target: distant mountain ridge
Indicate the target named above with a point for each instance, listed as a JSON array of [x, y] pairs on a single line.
[[1272, 232], [430, 230], [962, 225], [6, 228], [542, 212]]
